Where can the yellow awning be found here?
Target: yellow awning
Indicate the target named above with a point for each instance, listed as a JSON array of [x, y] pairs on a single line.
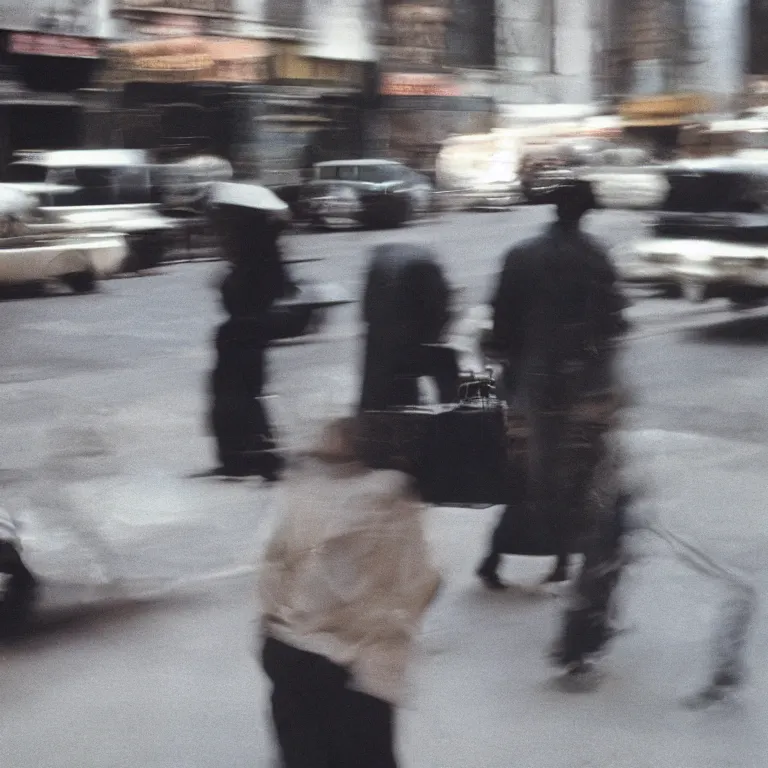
[[654, 122], [664, 106]]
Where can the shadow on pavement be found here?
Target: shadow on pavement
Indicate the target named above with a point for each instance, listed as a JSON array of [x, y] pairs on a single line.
[[751, 330], [39, 291], [72, 611]]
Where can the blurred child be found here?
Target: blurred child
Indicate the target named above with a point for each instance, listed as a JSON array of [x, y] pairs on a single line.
[[345, 579]]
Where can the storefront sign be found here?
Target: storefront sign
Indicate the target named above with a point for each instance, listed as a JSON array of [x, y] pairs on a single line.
[[412, 84], [194, 7], [666, 106], [169, 25], [194, 59], [35, 44]]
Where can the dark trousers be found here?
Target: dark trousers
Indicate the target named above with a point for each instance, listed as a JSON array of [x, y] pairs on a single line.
[[320, 723], [549, 517], [18, 596], [238, 418]]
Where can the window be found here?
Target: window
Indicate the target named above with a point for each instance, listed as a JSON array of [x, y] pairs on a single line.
[[347, 172], [379, 174]]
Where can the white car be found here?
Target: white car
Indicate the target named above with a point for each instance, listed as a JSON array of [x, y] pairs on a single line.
[[699, 269], [36, 247], [650, 262]]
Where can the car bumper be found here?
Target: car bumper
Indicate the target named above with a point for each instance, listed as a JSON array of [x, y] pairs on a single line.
[[102, 254]]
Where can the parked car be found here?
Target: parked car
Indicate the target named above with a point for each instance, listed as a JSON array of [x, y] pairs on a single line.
[[104, 188], [711, 238], [622, 177], [371, 193], [36, 246], [480, 171]]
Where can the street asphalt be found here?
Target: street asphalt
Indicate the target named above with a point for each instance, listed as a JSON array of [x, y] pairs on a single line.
[[157, 669]]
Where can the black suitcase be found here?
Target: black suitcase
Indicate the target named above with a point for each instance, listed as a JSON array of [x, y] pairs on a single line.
[[460, 454], [466, 456]]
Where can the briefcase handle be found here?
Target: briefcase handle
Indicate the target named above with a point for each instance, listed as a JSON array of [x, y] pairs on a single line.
[[477, 389]]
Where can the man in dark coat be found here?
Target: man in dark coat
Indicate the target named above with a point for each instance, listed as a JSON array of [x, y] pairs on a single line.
[[405, 308], [557, 315], [256, 280]]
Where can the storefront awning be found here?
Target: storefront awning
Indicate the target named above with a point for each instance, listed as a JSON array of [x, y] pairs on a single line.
[[189, 59], [664, 107], [654, 122]]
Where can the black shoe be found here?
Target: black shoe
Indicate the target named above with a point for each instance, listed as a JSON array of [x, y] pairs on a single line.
[[558, 575], [488, 574], [272, 467], [215, 472]]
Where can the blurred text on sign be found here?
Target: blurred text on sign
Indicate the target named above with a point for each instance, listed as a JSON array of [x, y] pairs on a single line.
[[34, 44], [408, 84]]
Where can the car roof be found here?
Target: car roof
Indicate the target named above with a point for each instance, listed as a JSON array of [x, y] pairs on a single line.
[[83, 158], [329, 163]]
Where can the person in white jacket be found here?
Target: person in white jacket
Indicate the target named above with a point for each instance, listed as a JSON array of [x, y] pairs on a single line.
[[345, 579]]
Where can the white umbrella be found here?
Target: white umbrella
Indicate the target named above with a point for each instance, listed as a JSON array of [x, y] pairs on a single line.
[[246, 196]]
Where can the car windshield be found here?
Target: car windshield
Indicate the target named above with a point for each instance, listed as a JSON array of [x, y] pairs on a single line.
[[340, 172]]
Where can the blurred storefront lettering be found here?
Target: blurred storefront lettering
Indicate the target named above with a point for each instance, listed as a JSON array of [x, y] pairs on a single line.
[[415, 84], [36, 44], [200, 7]]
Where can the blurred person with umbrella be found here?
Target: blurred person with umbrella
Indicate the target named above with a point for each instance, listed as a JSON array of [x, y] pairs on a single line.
[[250, 220]]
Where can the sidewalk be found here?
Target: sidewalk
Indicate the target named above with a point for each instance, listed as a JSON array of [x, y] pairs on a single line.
[[173, 683]]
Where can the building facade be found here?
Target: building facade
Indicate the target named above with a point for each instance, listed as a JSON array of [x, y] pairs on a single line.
[[49, 52], [656, 47], [547, 51], [263, 82]]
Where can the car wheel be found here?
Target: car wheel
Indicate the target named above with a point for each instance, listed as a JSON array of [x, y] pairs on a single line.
[[80, 282], [405, 215]]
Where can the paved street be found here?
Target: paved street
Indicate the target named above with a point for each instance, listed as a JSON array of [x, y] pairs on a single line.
[[170, 681]]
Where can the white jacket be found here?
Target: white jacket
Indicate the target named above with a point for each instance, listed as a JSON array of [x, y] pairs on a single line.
[[347, 574]]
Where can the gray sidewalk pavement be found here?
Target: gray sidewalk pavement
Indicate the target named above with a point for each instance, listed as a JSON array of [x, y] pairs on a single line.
[[173, 682]]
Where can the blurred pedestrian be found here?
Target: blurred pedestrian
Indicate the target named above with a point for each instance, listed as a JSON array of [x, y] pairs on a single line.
[[345, 579], [18, 587], [406, 308], [256, 280], [557, 316]]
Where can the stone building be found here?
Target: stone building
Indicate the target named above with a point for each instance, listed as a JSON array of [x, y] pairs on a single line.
[[547, 51], [671, 46]]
